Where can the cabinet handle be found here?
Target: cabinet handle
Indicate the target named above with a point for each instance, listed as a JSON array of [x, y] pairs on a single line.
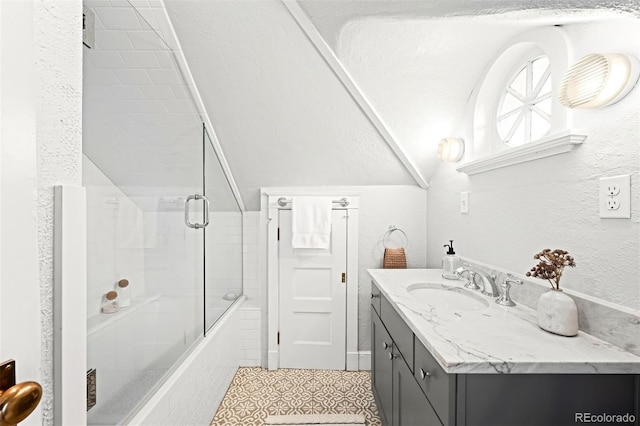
[[374, 295], [424, 374], [392, 355], [385, 345]]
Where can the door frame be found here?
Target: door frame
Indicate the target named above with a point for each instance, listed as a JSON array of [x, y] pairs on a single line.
[[273, 292]]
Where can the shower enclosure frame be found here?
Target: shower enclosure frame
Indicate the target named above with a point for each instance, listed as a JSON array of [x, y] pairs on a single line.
[[70, 373]]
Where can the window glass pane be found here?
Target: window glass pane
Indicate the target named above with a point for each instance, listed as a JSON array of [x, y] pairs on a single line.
[[546, 88], [545, 105], [509, 104], [530, 88], [539, 126], [540, 65], [506, 124], [520, 82], [518, 137]]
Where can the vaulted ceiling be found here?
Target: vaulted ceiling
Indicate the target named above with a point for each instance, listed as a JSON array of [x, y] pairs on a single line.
[[284, 118], [282, 115]]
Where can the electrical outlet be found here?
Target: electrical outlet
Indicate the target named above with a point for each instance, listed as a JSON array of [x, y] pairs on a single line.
[[613, 204], [615, 197], [613, 189]]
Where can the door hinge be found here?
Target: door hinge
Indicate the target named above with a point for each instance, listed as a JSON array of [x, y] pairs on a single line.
[[278, 338], [344, 277]]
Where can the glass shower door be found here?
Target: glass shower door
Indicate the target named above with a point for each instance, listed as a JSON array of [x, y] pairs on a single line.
[[223, 239], [142, 159]]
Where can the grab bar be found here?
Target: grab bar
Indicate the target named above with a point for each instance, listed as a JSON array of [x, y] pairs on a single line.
[[282, 202], [205, 212]]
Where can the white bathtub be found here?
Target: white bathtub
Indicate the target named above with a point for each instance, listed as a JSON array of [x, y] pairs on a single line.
[[136, 349]]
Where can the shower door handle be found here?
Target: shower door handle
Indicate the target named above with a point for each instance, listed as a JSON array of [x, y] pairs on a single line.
[[205, 212]]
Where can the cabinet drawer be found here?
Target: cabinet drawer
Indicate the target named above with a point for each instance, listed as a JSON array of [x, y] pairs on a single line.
[[375, 297], [437, 385], [398, 329]]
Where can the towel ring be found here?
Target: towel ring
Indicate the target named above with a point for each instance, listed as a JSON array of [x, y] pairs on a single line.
[[391, 230]]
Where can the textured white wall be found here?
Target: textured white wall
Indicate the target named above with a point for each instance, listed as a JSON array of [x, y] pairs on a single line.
[[380, 207], [58, 128], [516, 211], [405, 207], [281, 114], [418, 73]]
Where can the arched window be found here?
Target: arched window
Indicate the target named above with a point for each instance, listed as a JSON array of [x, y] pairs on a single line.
[[516, 114], [524, 110]]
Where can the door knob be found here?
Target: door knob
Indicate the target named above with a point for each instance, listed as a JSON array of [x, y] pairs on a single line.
[[17, 401]]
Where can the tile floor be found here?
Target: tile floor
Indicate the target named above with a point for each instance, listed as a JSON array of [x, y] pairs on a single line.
[[256, 392]]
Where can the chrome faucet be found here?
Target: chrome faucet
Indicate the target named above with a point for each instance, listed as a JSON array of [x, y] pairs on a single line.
[[505, 299], [470, 275], [489, 287]]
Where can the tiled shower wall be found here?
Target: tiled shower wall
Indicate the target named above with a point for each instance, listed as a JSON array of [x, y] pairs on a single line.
[[114, 238], [250, 314]]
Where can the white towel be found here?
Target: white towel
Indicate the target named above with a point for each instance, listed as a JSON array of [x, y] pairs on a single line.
[[311, 227]]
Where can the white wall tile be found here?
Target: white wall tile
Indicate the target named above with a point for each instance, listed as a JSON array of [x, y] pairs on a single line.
[[151, 107], [126, 92], [179, 106], [132, 76], [138, 59], [157, 92], [113, 40], [97, 93], [100, 77], [165, 77], [119, 18], [146, 40], [165, 59], [104, 58], [144, 119]]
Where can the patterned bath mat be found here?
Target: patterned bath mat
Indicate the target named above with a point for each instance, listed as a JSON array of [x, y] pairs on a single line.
[[316, 419]]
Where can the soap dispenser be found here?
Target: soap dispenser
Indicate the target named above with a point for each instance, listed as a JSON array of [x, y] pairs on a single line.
[[450, 263]]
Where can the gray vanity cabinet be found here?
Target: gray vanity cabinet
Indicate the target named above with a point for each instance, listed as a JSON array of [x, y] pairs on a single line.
[[437, 385], [400, 400], [381, 368], [410, 406], [411, 389]]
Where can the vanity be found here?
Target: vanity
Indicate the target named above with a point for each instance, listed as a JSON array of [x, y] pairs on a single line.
[[445, 355]]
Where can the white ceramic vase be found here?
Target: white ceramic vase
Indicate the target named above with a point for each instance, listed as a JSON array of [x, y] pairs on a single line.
[[558, 313]]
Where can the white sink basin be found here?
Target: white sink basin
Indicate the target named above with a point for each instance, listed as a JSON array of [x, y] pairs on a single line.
[[443, 296]]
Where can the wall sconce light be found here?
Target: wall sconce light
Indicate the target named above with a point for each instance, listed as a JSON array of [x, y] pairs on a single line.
[[450, 149], [598, 80]]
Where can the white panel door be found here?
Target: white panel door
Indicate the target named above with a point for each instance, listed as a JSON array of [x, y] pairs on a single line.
[[313, 299]]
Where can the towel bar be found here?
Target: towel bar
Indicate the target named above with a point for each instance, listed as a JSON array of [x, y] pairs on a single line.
[[282, 202]]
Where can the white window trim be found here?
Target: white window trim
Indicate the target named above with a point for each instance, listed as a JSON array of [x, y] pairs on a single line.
[[555, 144], [488, 151]]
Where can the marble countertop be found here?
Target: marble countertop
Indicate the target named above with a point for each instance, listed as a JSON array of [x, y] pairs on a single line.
[[496, 339]]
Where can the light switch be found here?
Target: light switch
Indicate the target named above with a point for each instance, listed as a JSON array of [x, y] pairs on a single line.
[[464, 202]]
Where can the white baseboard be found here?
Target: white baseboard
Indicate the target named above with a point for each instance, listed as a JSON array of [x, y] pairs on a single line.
[[273, 360], [356, 361], [364, 360]]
